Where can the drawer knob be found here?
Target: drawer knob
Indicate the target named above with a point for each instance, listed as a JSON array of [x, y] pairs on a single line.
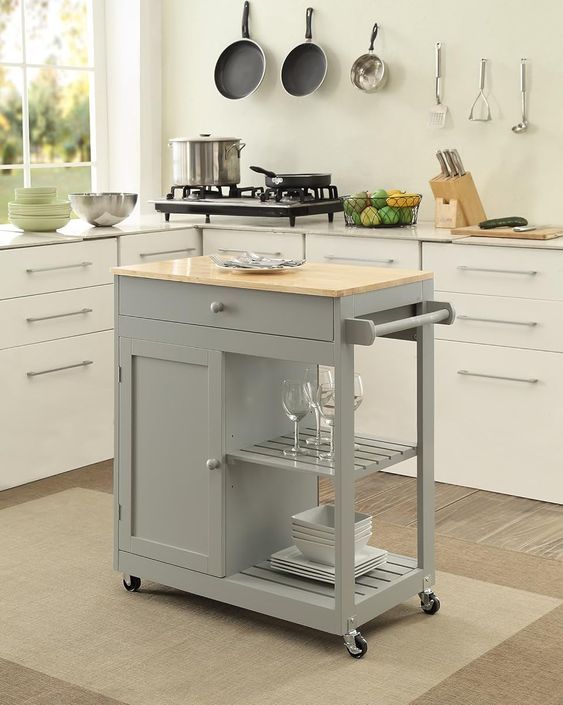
[[217, 307], [213, 464]]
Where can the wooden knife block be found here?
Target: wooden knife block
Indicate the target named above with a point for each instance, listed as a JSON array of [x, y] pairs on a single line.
[[457, 201]]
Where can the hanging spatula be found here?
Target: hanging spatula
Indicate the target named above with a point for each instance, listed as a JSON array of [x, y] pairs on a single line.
[[438, 112]]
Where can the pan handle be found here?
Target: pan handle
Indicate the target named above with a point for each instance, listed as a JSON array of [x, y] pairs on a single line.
[[309, 18], [245, 34], [259, 170], [373, 36]]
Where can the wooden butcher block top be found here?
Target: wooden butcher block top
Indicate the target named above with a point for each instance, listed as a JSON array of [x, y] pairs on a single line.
[[314, 279]]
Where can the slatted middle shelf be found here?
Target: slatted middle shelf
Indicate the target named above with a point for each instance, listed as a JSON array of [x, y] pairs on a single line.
[[370, 455]]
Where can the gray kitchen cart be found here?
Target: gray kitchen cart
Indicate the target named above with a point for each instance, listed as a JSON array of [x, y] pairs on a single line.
[[204, 494]]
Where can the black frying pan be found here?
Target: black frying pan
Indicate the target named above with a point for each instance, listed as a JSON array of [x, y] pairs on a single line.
[[242, 65], [304, 68], [274, 180]]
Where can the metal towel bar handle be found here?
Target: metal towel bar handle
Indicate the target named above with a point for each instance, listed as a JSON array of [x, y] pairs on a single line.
[[465, 268], [60, 266], [84, 363], [362, 331], [526, 380], [34, 319], [497, 320]]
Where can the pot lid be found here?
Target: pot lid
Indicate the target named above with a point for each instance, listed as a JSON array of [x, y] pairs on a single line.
[[205, 138]]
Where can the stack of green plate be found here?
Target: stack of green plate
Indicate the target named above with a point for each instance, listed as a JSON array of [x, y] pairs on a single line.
[[37, 209]]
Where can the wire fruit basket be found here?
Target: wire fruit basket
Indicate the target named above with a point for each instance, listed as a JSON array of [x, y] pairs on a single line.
[[380, 210]]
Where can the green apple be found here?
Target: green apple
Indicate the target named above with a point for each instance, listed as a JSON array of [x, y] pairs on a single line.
[[348, 206], [389, 215], [379, 198], [356, 218], [359, 201], [370, 217], [405, 215]]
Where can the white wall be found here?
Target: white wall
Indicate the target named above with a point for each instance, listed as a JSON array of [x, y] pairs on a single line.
[[370, 141]]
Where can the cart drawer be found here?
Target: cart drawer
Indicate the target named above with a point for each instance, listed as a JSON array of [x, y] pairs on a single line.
[[33, 319], [497, 271], [499, 320], [37, 270], [292, 315]]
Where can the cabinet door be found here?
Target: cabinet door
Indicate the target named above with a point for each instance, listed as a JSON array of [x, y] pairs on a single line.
[[170, 411], [154, 247], [499, 419]]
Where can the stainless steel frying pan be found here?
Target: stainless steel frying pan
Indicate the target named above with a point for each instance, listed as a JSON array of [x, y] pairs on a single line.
[[369, 73]]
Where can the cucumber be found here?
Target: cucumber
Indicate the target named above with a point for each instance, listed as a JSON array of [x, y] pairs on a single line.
[[509, 222]]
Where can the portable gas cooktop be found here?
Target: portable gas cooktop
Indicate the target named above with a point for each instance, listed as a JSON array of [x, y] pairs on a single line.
[[276, 202]]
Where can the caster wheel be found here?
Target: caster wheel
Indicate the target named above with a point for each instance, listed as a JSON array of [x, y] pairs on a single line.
[[359, 647], [432, 605], [133, 585]]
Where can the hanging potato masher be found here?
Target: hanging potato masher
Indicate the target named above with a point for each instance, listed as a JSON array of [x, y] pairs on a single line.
[[481, 100]]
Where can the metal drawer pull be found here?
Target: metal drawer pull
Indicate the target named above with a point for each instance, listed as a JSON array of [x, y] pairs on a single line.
[[217, 307], [531, 380], [61, 266], [225, 250], [359, 259], [498, 320], [528, 272], [59, 315], [84, 363], [166, 252]]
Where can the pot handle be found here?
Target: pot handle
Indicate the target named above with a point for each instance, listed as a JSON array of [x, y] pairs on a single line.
[[373, 35], [309, 19], [245, 34], [239, 148]]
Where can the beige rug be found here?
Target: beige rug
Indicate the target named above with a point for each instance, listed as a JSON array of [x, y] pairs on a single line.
[[65, 614]]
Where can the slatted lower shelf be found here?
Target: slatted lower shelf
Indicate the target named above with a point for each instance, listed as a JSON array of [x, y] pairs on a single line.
[[371, 455], [367, 585]]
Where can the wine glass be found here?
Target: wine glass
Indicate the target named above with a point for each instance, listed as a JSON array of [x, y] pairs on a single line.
[[358, 396], [315, 376], [326, 399], [296, 404]]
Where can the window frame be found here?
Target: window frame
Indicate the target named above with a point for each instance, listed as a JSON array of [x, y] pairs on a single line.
[[98, 102]]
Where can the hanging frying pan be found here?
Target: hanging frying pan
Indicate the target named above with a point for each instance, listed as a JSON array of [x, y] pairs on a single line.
[[242, 65], [369, 72], [304, 68]]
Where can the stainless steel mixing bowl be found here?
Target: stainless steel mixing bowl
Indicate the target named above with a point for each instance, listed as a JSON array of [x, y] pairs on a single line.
[[103, 209]]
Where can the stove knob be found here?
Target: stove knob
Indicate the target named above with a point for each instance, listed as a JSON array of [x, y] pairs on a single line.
[[217, 307]]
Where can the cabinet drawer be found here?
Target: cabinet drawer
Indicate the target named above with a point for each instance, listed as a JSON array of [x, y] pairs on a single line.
[[497, 320], [37, 270], [57, 420], [62, 314], [363, 251], [499, 419], [265, 243], [498, 271], [293, 315], [152, 247]]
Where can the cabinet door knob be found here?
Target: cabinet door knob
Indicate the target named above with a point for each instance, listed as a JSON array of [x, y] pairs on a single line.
[[217, 307], [213, 464]]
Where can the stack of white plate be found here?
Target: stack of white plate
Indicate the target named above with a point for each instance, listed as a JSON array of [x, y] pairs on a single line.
[[37, 209], [313, 532], [291, 560]]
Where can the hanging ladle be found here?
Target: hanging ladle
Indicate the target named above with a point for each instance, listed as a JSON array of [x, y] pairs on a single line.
[[523, 125]]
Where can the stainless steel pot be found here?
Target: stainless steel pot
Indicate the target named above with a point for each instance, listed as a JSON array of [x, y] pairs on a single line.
[[206, 160]]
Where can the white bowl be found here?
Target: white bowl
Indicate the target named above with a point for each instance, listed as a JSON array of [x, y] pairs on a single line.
[[359, 542], [322, 518], [322, 536], [319, 553]]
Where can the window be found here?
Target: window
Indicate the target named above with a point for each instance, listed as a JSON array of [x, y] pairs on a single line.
[[47, 88]]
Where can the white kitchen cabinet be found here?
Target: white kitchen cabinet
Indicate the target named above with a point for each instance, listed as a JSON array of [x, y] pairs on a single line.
[[227, 242], [37, 270], [499, 418], [58, 406], [501, 320], [367, 251], [495, 271], [149, 247], [61, 314]]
